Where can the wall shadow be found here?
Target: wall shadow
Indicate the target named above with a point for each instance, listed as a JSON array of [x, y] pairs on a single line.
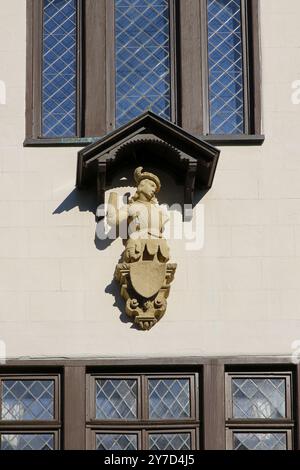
[[85, 200], [114, 289]]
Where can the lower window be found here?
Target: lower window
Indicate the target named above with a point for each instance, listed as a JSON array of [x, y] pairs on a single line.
[[259, 411], [250, 439], [143, 411], [29, 441], [30, 412]]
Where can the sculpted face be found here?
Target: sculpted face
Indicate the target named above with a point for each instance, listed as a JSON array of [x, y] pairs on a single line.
[[147, 188]]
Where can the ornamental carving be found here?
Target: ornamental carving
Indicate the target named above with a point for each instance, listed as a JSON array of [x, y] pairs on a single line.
[[144, 273]]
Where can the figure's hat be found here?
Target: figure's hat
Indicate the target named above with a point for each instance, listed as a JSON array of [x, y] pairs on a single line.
[[139, 176]]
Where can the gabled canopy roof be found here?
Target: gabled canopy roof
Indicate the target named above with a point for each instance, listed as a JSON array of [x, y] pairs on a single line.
[[152, 142]]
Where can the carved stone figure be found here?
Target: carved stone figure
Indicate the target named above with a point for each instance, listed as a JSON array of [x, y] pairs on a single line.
[[144, 273]]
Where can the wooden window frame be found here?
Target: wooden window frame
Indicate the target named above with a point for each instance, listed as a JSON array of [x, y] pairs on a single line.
[[34, 426], [189, 72], [34, 46], [142, 425], [250, 20], [286, 424], [212, 399]]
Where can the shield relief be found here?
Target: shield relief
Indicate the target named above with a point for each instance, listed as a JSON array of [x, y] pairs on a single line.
[[147, 277]]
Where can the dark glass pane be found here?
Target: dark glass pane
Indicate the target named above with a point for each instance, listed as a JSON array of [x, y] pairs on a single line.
[[259, 398], [259, 441], [116, 399], [59, 68], [27, 442], [116, 441], [24, 400], [169, 399], [168, 441], [225, 61], [142, 55]]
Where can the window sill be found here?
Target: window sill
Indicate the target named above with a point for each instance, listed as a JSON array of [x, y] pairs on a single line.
[[233, 140], [60, 142], [240, 139]]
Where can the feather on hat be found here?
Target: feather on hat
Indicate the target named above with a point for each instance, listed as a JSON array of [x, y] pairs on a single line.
[[139, 176]]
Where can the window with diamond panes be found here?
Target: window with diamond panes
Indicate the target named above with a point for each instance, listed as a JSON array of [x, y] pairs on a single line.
[[142, 59], [225, 67], [59, 68], [95, 65], [143, 412], [248, 440], [256, 399], [116, 441], [26, 403], [169, 398], [170, 441], [116, 399]]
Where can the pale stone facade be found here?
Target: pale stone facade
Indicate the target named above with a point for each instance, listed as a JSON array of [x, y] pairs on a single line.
[[239, 295]]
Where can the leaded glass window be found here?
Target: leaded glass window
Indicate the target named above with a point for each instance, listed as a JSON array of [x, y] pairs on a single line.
[[114, 441], [256, 400], [142, 59], [59, 68], [116, 399], [170, 441], [259, 398], [260, 441], [169, 398], [29, 412], [93, 69], [143, 411], [225, 65], [27, 441], [27, 400]]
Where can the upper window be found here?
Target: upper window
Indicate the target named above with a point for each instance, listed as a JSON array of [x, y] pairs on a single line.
[[142, 58], [226, 67], [59, 68], [94, 65]]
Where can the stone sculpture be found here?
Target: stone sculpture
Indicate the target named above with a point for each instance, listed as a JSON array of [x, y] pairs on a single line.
[[144, 273]]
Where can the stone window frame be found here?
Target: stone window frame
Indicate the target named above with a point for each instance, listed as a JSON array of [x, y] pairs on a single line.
[[95, 97]]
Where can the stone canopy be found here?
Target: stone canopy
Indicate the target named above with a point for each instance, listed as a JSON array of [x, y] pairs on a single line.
[[152, 142]]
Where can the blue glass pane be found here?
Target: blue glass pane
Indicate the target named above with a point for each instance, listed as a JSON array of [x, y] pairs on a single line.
[[225, 60], [142, 54], [59, 69]]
